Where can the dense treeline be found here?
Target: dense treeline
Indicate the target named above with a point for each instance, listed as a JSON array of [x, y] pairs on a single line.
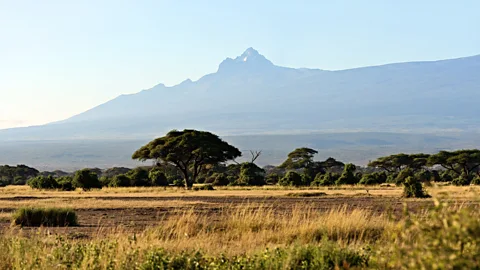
[[183, 158]]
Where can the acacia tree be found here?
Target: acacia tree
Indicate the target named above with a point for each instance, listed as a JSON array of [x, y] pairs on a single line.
[[300, 158], [188, 150], [462, 162], [398, 162]]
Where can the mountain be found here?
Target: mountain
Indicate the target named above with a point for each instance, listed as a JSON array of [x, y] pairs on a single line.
[[251, 95]]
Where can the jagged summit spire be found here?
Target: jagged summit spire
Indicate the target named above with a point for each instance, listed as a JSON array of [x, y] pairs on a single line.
[[250, 58]]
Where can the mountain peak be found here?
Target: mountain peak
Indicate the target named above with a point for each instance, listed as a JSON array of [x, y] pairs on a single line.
[[250, 58]]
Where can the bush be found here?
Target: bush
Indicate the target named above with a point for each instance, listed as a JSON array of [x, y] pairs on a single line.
[[291, 179], [36, 217], [65, 183], [120, 180], [220, 179], [476, 181], [403, 175], [139, 177], [43, 182], [348, 176], [413, 188], [460, 181], [327, 179], [203, 187], [272, 179], [448, 176], [306, 179], [178, 183], [251, 175], [375, 178], [86, 180], [369, 179], [158, 178]]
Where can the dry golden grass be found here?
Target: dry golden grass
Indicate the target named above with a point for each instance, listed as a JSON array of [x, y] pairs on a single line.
[[5, 216], [95, 203], [249, 228]]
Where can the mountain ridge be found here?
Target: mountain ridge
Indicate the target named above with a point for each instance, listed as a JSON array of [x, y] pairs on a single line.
[[251, 94]]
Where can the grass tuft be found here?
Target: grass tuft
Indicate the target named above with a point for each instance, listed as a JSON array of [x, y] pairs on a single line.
[[49, 217], [306, 194]]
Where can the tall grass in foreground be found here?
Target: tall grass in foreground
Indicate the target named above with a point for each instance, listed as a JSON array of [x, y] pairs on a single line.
[[249, 237]]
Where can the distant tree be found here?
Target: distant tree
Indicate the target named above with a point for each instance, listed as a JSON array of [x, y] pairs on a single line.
[[86, 180], [291, 179], [251, 174], [300, 158], [331, 163], [43, 182], [348, 176], [188, 150], [327, 179], [465, 163], [398, 162], [111, 172]]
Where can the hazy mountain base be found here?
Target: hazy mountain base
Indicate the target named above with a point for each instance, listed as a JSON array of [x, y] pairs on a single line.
[[355, 147], [251, 95]]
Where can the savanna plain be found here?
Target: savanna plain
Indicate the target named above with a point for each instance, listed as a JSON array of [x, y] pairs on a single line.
[[341, 227]]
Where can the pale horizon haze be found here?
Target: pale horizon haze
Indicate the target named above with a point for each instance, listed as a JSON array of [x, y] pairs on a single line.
[[60, 58]]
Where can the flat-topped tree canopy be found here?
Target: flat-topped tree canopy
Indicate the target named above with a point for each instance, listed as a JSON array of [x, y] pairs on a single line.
[[398, 162], [299, 158], [463, 162], [188, 150]]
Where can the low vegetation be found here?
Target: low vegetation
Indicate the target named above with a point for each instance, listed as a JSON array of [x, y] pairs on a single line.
[[36, 217]]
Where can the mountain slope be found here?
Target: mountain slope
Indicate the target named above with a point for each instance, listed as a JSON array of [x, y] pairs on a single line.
[[249, 94]]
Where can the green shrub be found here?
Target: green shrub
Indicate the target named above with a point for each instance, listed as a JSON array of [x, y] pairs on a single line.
[[369, 179], [86, 180], [306, 179], [392, 178], [157, 178], [291, 179], [412, 188], [403, 175], [65, 183], [53, 217], [203, 187], [348, 176], [476, 181], [460, 181], [43, 182], [327, 179], [120, 180], [178, 183], [220, 179], [272, 179], [448, 176], [139, 177], [251, 175]]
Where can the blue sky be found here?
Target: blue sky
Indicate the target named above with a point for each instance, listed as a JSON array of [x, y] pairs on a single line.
[[60, 58]]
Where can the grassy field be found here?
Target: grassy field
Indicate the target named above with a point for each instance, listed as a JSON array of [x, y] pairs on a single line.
[[239, 228]]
